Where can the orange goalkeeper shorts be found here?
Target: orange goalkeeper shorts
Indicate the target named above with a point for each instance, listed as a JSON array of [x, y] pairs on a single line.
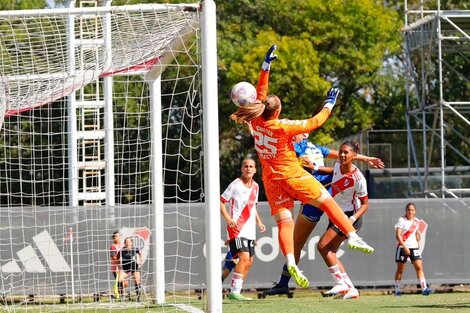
[[282, 192]]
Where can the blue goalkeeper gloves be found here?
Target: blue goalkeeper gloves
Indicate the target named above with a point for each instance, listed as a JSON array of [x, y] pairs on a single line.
[[270, 56], [331, 97]]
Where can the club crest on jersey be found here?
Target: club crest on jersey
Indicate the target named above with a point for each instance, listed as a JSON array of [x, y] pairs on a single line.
[[346, 183]]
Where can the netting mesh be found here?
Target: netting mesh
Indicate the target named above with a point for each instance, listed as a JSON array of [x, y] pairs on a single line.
[[55, 252], [38, 68]]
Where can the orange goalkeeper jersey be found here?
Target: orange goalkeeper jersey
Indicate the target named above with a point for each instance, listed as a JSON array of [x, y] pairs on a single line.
[[273, 138], [262, 87], [273, 142]]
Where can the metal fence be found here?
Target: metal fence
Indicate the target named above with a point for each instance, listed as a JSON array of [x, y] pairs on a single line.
[[446, 252]]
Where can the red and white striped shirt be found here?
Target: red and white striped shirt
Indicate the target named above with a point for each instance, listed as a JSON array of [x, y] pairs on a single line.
[[347, 189], [409, 229], [242, 200]]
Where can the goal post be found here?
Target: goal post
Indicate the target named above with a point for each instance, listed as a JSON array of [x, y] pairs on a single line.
[[110, 123], [212, 188]]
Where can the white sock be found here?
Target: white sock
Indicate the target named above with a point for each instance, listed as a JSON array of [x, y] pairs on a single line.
[[423, 284], [397, 285], [336, 274], [290, 259], [347, 281], [237, 283]]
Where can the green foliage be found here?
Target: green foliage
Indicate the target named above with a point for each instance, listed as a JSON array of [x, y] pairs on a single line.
[[355, 45], [22, 4], [320, 43]]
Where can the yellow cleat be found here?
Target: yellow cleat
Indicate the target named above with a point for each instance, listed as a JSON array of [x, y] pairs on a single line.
[[300, 279]]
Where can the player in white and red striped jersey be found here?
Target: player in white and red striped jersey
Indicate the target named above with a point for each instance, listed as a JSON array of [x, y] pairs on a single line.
[[115, 254], [408, 237], [242, 197], [349, 189]]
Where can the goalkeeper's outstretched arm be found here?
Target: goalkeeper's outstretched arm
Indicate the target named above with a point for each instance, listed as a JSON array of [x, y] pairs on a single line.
[[263, 80]]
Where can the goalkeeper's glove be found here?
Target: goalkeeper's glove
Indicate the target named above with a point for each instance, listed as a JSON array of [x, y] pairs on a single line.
[[331, 96], [270, 56]]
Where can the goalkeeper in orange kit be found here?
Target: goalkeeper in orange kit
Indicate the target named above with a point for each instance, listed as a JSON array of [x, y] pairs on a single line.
[[283, 177]]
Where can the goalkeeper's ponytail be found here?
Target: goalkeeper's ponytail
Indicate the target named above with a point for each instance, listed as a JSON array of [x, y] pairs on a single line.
[[266, 108], [248, 112]]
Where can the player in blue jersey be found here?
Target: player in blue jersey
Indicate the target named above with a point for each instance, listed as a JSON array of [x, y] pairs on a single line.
[[312, 158]]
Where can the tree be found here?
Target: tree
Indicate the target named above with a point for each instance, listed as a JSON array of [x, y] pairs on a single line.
[[320, 44], [22, 4]]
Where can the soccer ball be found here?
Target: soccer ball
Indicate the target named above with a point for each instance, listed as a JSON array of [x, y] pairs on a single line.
[[243, 93]]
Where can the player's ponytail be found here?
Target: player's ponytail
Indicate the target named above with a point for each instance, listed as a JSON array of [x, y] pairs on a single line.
[[248, 112], [267, 108]]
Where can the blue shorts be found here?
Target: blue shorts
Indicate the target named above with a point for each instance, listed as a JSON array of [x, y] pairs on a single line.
[[311, 213]]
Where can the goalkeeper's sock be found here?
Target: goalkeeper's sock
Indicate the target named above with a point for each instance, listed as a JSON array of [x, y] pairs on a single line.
[[286, 237], [337, 216]]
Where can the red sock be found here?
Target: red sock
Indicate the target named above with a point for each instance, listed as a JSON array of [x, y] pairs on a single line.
[[286, 235], [337, 216]]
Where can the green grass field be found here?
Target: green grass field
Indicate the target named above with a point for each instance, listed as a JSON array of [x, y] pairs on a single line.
[[309, 302], [302, 302]]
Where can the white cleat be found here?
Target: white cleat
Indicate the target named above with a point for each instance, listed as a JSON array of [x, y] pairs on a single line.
[[352, 293], [356, 243], [336, 290]]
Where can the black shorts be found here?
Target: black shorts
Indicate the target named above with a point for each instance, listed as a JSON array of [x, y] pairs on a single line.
[[357, 224], [401, 257], [241, 244], [129, 267]]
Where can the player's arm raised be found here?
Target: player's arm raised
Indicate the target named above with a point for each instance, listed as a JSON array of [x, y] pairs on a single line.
[[263, 81], [372, 161], [308, 125], [307, 163]]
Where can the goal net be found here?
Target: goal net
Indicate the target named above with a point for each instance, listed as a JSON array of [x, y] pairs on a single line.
[[101, 132]]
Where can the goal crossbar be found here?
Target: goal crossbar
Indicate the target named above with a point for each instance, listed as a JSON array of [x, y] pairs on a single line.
[[150, 50], [101, 10]]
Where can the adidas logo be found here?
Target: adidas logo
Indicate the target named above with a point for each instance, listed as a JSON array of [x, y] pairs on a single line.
[[31, 261]]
